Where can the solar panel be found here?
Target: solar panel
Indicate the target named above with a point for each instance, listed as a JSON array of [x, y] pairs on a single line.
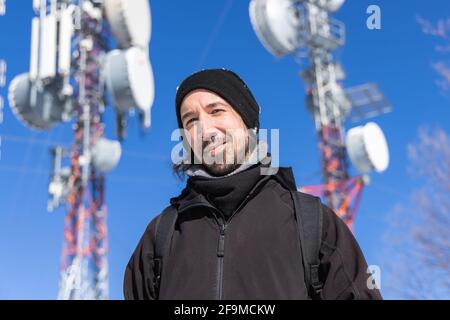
[[367, 101]]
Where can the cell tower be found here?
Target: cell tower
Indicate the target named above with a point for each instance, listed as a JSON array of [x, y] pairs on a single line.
[[72, 71], [306, 28]]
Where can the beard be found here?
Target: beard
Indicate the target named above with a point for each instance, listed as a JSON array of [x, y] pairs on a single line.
[[221, 169], [231, 157], [228, 157]]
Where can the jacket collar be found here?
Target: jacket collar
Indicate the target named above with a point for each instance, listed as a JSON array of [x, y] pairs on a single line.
[[190, 198]]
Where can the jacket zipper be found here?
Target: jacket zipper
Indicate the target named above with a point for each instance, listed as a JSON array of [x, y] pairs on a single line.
[[221, 243], [220, 255]]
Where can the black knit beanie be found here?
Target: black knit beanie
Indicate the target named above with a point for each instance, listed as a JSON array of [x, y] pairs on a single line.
[[226, 84]]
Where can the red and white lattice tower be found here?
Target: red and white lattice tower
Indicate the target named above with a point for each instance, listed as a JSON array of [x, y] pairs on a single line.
[[71, 67], [305, 28], [84, 265]]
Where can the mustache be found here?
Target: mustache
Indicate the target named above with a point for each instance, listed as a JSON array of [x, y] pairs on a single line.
[[215, 142]]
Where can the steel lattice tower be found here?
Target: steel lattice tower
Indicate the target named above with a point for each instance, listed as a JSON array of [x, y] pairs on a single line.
[[84, 265], [338, 188], [306, 29], [71, 67]]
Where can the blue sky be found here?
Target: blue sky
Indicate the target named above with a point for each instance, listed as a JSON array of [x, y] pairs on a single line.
[[187, 36]]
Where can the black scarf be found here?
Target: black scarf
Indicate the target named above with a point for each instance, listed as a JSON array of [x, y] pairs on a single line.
[[227, 193]]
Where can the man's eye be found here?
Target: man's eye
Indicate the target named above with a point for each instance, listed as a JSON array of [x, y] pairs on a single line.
[[190, 121], [217, 111]]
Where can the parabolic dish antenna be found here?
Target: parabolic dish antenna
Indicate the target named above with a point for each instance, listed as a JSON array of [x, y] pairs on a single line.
[[130, 21], [39, 112], [106, 154], [129, 78], [334, 5], [367, 148], [276, 24]]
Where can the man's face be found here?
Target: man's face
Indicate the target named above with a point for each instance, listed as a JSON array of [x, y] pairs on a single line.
[[216, 132]]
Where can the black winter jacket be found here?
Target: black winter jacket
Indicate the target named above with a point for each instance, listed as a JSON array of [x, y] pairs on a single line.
[[254, 254]]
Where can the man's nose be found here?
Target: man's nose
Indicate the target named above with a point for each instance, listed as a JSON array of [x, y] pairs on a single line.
[[208, 129]]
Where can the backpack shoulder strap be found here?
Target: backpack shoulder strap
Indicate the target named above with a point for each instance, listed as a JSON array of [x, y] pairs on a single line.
[[308, 213], [165, 226]]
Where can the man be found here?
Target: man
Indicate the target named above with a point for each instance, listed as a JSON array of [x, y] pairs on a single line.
[[236, 235]]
